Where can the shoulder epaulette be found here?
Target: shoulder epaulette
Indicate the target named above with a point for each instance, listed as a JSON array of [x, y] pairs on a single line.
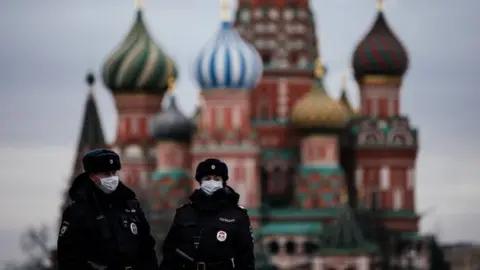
[[242, 208], [184, 205]]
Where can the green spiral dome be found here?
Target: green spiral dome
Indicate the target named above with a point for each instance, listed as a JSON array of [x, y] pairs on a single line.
[[138, 65]]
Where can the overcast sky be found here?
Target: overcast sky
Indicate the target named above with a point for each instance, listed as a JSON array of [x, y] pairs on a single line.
[[46, 47]]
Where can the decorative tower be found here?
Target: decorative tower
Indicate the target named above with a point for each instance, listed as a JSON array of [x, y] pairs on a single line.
[[227, 69], [379, 62], [283, 32], [137, 75], [171, 180], [384, 144], [319, 118], [344, 245], [344, 100], [91, 133]]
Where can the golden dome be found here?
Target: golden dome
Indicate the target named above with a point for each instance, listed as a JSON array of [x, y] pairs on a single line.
[[317, 108]]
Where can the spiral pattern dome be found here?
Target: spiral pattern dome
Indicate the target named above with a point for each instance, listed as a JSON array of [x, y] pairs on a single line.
[[172, 125], [380, 53], [228, 62], [318, 109], [138, 65]]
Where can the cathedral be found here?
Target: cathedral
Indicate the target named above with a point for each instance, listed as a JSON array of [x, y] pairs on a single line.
[[327, 186]]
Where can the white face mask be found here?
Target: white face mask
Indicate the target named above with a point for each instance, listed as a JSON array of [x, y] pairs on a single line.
[[109, 184], [209, 186]]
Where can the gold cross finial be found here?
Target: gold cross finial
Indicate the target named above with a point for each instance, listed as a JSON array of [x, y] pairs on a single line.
[[319, 69], [225, 10], [171, 84], [344, 81], [380, 5], [139, 4]]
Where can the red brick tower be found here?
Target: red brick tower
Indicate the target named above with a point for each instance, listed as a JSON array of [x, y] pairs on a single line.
[[385, 143], [284, 34], [137, 75]]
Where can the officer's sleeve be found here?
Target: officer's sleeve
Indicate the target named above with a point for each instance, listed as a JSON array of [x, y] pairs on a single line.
[[168, 249], [147, 244], [244, 253], [70, 243]]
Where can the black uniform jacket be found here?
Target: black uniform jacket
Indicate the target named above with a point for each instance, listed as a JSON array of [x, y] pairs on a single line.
[[101, 231], [210, 229]]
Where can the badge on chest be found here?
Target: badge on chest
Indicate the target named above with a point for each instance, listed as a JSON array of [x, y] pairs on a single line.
[[221, 236], [133, 228]]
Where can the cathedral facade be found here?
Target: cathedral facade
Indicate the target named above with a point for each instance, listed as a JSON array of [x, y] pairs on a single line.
[[327, 186]]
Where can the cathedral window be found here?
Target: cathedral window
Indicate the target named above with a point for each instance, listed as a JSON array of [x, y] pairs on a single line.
[[397, 199], [133, 152], [236, 117], [266, 59], [288, 14], [302, 62], [385, 178], [376, 200], [399, 140], [290, 247], [272, 27], [391, 107], [371, 139], [263, 111], [273, 247], [245, 15], [374, 108], [258, 13], [219, 118], [273, 14], [359, 177], [410, 178], [134, 123]]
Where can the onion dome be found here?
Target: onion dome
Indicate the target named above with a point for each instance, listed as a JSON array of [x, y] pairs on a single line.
[[171, 124], [380, 53], [317, 108], [138, 65], [228, 61]]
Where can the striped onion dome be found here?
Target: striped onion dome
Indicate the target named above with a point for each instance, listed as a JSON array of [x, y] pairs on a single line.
[[318, 109], [138, 65], [380, 53], [228, 62]]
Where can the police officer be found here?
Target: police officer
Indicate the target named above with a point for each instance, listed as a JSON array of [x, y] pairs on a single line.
[[211, 231], [104, 226]]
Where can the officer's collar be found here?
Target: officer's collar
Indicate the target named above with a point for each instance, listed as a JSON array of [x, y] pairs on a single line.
[[220, 198]]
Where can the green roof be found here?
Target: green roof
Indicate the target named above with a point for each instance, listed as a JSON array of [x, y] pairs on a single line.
[[173, 174], [345, 236], [291, 228]]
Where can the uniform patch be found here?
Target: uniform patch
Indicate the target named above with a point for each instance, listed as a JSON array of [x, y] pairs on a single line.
[[251, 233], [64, 228], [227, 220], [221, 236], [213, 167], [133, 228]]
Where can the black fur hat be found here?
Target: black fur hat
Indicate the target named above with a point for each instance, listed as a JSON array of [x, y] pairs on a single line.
[[101, 160], [211, 166]]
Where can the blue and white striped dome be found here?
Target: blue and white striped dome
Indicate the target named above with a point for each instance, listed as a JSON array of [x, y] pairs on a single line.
[[228, 62]]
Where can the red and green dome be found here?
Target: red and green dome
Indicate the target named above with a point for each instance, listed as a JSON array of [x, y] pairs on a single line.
[[138, 65], [380, 53]]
